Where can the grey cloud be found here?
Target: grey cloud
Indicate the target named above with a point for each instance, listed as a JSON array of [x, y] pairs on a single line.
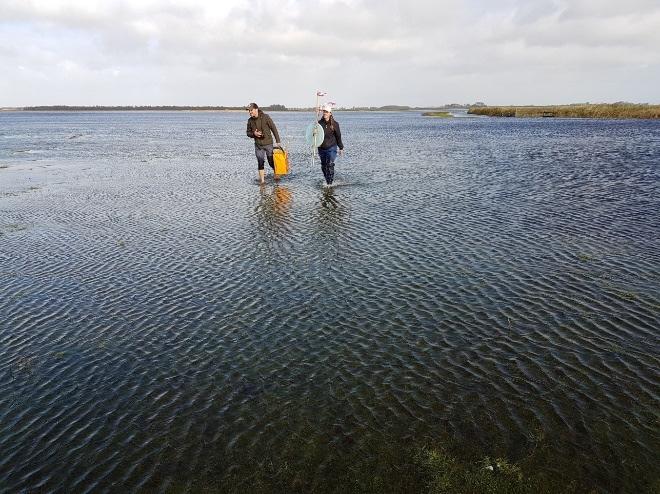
[[592, 9], [345, 43], [363, 30]]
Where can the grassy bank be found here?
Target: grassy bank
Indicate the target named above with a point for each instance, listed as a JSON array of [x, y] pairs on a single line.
[[615, 110]]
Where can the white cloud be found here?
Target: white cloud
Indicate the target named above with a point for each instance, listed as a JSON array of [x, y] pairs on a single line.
[[363, 51]]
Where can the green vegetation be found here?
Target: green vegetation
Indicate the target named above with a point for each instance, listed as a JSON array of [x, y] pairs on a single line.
[[437, 114], [625, 295], [275, 108], [337, 460], [614, 110], [423, 470], [444, 474]]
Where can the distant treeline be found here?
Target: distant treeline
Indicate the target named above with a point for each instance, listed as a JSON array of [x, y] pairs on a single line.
[[379, 108], [134, 108], [582, 110], [453, 106], [276, 107]]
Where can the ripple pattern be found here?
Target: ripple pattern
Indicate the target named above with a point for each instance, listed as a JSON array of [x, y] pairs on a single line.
[[166, 324]]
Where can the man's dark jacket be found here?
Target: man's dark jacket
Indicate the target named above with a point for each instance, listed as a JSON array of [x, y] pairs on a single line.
[[265, 124]]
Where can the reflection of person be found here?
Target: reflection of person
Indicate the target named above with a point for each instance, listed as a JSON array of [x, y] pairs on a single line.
[[259, 127], [331, 215], [272, 211], [331, 141]]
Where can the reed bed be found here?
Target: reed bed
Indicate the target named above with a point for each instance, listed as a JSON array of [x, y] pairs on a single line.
[[614, 110]]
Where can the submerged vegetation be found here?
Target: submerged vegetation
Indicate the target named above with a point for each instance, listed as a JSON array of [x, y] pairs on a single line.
[[423, 470], [348, 463], [437, 114], [587, 110]]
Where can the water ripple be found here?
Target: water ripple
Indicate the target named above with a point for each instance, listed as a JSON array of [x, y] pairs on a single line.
[[167, 324]]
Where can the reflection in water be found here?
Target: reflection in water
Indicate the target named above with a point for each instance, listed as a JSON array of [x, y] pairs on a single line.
[[273, 210], [331, 212]]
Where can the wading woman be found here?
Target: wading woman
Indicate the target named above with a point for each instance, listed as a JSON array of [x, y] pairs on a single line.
[[331, 141]]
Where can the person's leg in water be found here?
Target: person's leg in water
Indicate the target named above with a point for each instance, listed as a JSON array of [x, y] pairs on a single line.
[[324, 168], [261, 155], [329, 172], [271, 160], [331, 167], [328, 163]]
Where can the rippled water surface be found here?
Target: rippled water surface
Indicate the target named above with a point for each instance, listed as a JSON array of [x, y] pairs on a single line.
[[168, 324]]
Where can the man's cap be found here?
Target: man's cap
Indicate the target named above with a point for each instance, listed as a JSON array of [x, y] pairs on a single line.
[[251, 106]]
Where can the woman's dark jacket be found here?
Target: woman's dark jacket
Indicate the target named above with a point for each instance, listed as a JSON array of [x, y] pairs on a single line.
[[330, 137]]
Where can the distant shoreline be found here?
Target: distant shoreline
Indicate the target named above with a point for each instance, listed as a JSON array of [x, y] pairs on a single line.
[[66, 108], [582, 110]]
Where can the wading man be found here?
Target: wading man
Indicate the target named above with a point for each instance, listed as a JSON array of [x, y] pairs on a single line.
[[261, 128]]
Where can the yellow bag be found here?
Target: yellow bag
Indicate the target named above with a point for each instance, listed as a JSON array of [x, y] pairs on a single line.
[[281, 159]]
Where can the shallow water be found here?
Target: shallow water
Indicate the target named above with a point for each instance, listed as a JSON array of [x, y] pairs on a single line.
[[166, 321]]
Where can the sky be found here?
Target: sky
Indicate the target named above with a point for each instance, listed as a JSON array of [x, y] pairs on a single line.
[[360, 52]]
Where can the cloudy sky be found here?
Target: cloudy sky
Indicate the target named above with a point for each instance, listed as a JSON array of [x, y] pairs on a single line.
[[362, 52]]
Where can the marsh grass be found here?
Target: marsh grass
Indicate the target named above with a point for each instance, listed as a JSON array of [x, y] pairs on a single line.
[[614, 110]]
